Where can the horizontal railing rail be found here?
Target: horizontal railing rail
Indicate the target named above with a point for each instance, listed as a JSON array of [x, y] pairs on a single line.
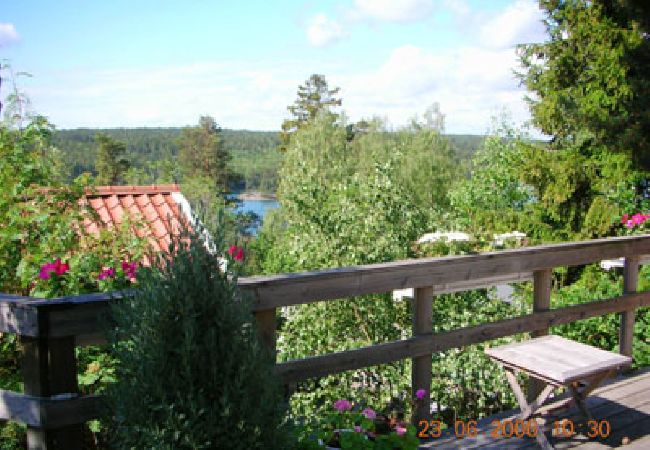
[[50, 329]]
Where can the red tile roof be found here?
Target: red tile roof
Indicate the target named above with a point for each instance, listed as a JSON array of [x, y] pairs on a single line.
[[158, 207]]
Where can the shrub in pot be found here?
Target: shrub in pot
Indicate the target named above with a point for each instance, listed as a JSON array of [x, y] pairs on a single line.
[[192, 373]]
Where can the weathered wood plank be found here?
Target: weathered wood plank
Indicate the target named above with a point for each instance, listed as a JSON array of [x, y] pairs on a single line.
[[43, 412], [17, 407], [541, 302], [296, 288], [421, 372], [16, 316], [630, 283], [266, 327], [49, 369], [421, 345]]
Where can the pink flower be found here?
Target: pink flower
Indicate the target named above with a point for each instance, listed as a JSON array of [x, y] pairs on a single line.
[[342, 405], [232, 250], [357, 429], [57, 267], [129, 269], [400, 430], [629, 224], [46, 269], [110, 272], [420, 394], [638, 219], [624, 219], [369, 413], [239, 255]]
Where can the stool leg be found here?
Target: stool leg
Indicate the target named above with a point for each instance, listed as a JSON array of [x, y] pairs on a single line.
[[528, 410]]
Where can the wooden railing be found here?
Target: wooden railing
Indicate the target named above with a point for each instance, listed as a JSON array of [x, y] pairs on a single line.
[[49, 330]]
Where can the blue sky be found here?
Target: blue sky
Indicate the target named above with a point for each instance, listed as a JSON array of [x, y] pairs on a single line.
[[166, 62]]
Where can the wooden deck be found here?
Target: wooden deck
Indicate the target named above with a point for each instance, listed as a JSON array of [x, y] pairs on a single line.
[[624, 402]]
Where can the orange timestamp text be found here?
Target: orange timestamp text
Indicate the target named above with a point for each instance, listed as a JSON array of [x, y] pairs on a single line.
[[509, 428]]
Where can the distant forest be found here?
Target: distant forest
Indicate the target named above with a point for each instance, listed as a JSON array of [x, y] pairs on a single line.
[[255, 155]]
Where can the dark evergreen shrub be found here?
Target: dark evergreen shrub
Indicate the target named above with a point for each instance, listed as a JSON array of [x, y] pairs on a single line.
[[192, 373]]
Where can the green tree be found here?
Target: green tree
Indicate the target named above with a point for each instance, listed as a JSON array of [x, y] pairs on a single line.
[[111, 163], [591, 79], [314, 97], [202, 154], [17, 105]]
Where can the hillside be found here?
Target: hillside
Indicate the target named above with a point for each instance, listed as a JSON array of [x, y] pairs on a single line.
[[254, 153]]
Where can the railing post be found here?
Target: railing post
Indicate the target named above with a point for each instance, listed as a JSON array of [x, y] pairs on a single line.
[[630, 281], [541, 302], [421, 368], [50, 368], [266, 327]]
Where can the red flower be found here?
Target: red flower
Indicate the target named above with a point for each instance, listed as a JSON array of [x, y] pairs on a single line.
[[232, 250], [57, 267], [239, 255]]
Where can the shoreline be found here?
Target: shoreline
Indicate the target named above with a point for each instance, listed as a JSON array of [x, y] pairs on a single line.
[[256, 196]]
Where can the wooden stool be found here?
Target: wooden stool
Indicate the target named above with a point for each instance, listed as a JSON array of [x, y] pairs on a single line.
[[557, 362]]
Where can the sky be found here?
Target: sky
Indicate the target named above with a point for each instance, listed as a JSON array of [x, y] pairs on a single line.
[[162, 63]]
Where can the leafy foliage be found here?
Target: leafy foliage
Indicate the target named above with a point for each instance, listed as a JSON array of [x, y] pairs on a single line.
[[603, 332], [192, 373]]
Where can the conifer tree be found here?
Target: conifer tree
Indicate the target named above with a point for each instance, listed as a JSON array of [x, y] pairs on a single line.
[[314, 97], [111, 163], [202, 154], [591, 79]]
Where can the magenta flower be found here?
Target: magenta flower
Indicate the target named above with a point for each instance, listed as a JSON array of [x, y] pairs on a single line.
[[420, 394], [129, 269], [46, 270], [624, 219], [638, 219], [357, 429], [400, 430], [342, 405], [106, 273], [369, 413], [57, 267]]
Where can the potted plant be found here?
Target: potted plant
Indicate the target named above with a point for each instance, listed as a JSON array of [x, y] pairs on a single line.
[[354, 427]]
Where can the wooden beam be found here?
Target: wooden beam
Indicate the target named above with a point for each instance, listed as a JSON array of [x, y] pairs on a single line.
[[421, 368], [317, 366], [43, 412], [16, 316], [630, 283], [49, 369], [297, 288], [541, 302], [266, 328]]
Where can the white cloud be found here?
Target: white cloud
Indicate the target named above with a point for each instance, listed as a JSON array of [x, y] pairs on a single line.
[[8, 34], [251, 95], [393, 10], [471, 84], [520, 23], [323, 31]]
